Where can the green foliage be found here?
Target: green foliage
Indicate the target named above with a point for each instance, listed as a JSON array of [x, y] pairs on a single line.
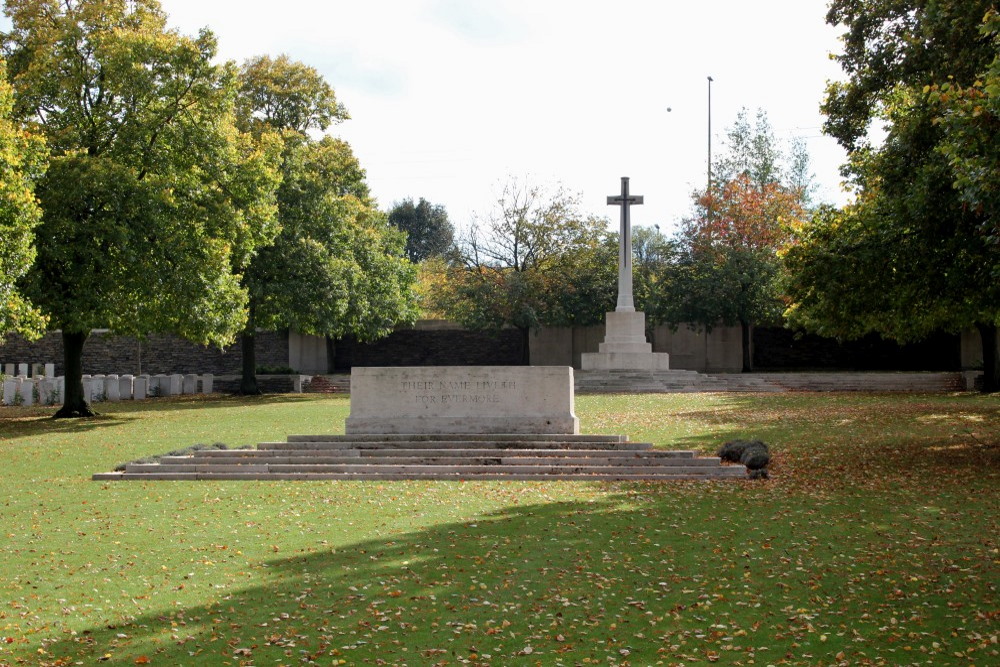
[[152, 196], [335, 268], [282, 94], [428, 231], [922, 228], [751, 151], [22, 162], [970, 118]]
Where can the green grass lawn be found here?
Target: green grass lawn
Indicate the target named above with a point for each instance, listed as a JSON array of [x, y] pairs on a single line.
[[874, 543]]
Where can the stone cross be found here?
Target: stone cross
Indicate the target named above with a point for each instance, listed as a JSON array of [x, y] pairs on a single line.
[[625, 200]]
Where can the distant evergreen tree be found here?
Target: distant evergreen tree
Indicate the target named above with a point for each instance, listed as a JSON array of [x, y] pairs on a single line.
[[429, 233]]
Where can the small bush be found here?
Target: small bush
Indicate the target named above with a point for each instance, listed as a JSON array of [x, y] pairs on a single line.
[[754, 454]]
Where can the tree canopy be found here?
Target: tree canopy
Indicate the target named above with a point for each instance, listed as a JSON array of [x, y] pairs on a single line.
[[428, 230], [22, 162], [917, 249], [152, 196], [336, 268]]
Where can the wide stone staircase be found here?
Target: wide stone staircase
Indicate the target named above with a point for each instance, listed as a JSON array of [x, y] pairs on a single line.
[[679, 381], [436, 457], [668, 382]]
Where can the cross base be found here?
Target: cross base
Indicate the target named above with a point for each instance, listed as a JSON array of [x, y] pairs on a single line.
[[625, 346]]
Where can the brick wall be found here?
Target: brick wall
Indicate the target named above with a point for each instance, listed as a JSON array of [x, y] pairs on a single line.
[[107, 353], [438, 347]]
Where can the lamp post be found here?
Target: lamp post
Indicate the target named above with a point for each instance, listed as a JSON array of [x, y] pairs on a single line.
[[708, 192]]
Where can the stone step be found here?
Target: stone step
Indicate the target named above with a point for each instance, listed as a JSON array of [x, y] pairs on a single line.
[[451, 444], [215, 462], [319, 455], [465, 437], [724, 472], [458, 470]]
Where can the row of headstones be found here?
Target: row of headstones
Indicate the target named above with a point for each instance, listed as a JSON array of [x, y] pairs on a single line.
[[34, 370], [43, 390]]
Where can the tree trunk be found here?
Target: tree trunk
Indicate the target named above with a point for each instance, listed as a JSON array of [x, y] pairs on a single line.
[[74, 402], [746, 329], [991, 374], [525, 345], [248, 381]]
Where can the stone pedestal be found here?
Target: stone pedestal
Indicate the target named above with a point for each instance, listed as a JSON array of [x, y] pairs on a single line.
[[462, 399], [625, 346]]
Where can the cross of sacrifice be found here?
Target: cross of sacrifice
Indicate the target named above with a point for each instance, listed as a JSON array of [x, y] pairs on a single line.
[[625, 247]]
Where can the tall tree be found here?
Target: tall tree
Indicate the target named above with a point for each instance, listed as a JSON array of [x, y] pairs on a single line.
[[428, 231], [152, 197], [727, 265], [921, 229], [521, 265], [335, 268], [22, 162]]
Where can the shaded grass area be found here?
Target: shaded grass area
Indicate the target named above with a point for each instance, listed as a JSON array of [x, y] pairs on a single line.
[[875, 542]]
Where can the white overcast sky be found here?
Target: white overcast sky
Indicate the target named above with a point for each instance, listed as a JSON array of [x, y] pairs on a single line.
[[449, 97]]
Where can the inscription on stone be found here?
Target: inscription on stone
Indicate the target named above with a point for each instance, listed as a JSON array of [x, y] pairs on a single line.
[[441, 392]]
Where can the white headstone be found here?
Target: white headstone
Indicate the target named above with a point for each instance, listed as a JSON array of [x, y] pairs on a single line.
[[11, 387], [189, 384], [207, 380], [50, 370], [175, 384], [22, 370], [8, 369], [60, 388], [125, 387], [111, 388], [28, 392], [158, 385], [140, 387], [90, 392], [46, 391]]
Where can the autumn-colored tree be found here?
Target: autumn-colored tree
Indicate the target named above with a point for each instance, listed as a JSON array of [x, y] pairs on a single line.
[[727, 268], [152, 197], [22, 162]]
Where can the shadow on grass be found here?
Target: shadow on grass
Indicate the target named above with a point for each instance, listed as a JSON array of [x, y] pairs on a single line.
[[210, 401], [40, 422], [115, 413], [638, 576]]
